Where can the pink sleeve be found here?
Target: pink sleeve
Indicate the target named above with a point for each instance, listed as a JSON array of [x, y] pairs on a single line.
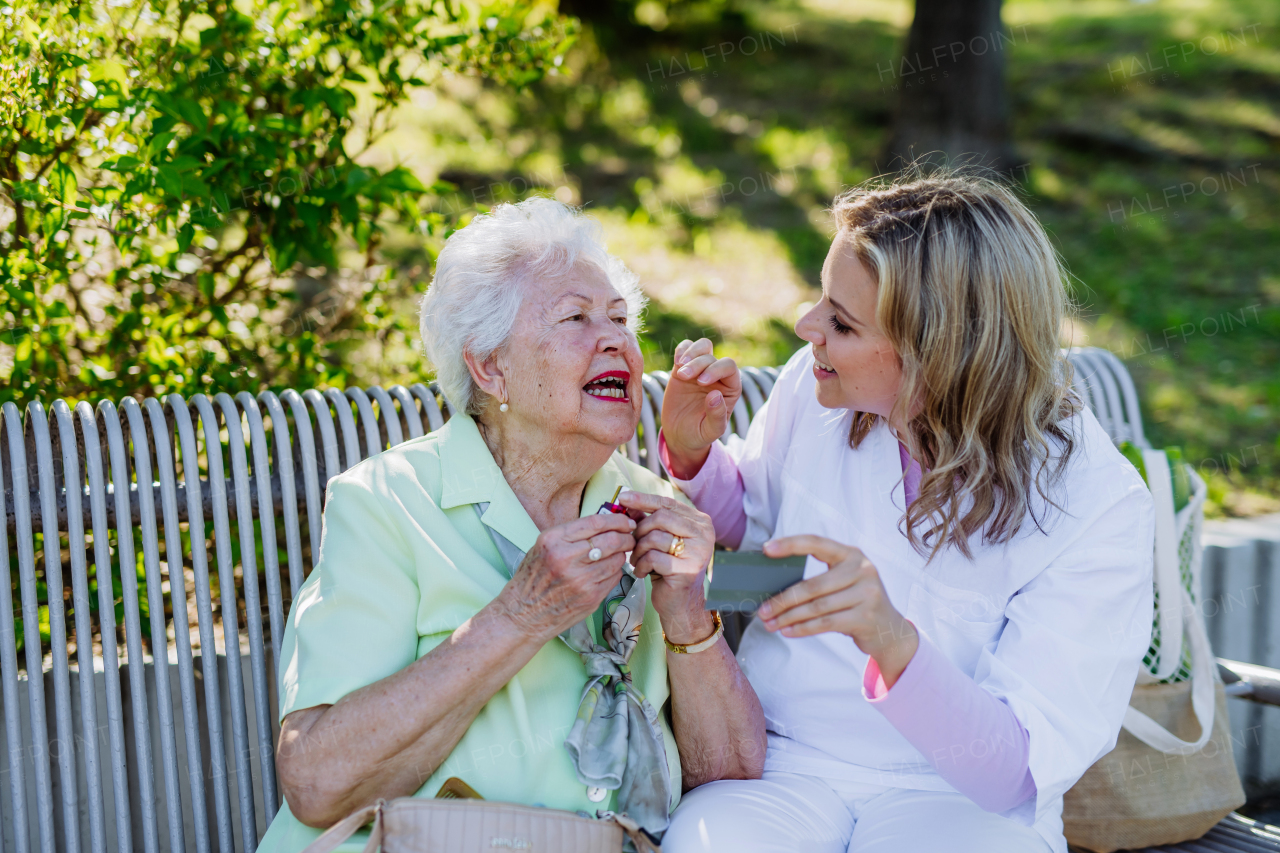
[[969, 736], [716, 490]]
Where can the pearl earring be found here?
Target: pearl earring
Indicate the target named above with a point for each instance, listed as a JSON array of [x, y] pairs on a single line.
[[504, 407]]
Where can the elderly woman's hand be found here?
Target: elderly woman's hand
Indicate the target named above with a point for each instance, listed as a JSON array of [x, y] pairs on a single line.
[[558, 584], [677, 580]]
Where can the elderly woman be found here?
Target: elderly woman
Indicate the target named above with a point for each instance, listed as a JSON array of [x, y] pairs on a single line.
[[468, 598]]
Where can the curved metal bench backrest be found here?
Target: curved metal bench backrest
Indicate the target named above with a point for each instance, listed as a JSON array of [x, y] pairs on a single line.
[[1104, 384], [111, 766]]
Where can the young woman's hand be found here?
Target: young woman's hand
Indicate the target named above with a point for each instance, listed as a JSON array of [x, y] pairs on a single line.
[[848, 598], [697, 404]]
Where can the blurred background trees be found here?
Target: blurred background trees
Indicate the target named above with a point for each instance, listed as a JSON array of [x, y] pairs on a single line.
[[334, 146]]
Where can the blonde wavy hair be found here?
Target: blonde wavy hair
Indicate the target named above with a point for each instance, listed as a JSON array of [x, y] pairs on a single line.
[[971, 296]]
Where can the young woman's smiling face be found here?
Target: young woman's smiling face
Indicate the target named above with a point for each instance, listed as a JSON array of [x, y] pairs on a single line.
[[857, 367]]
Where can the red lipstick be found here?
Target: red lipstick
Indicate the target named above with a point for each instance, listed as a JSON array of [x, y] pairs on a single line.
[[610, 385]]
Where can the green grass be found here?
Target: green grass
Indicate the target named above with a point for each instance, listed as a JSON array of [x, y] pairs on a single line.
[[713, 183]]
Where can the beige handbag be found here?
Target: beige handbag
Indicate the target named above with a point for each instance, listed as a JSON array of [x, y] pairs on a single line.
[[419, 825], [1172, 775], [1138, 797]]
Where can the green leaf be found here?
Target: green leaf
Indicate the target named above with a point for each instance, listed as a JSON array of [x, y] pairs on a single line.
[[284, 253], [28, 191], [159, 143], [193, 187], [51, 223], [210, 36], [170, 179], [109, 69], [310, 215], [356, 178], [162, 124], [401, 178], [189, 109], [363, 230], [123, 163], [62, 183], [185, 234], [339, 101]]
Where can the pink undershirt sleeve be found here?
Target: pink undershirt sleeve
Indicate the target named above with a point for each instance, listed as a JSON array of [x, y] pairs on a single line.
[[969, 736], [717, 490]]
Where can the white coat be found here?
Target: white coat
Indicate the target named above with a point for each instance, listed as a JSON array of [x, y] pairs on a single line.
[[1053, 622]]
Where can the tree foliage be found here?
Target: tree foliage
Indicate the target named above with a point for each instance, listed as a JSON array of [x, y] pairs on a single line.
[[168, 167]]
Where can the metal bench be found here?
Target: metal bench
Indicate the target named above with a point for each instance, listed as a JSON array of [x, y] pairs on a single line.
[[142, 712]]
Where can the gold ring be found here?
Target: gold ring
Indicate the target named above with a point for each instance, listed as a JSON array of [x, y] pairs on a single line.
[[676, 548]]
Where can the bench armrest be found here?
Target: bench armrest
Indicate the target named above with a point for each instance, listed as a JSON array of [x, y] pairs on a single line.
[[1250, 681]]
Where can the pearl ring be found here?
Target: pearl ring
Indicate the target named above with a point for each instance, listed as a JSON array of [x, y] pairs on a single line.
[[594, 554]]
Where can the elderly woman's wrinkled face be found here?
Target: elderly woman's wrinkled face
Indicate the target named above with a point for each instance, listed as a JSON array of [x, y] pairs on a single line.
[[572, 365]]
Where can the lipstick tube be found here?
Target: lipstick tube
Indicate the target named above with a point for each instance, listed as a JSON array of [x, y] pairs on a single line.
[[612, 506]]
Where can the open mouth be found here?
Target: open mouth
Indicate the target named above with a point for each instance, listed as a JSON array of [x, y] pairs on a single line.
[[609, 386], [823, 369]]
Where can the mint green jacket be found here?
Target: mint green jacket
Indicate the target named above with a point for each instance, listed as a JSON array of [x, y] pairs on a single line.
[[404, 561]]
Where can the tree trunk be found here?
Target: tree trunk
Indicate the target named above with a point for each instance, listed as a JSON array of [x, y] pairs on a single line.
[[952, 106]]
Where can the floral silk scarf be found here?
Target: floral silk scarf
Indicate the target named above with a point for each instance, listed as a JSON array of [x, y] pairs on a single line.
[[615, 742]]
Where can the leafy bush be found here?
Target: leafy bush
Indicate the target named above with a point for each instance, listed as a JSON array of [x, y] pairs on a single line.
[[167, 168]]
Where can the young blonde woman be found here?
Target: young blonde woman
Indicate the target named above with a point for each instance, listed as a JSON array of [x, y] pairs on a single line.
[[978, 597]]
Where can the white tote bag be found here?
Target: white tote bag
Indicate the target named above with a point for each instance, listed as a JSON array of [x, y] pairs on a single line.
[[1179, 623], [1171, 775]]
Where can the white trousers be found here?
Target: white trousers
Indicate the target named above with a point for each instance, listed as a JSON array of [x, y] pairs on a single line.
[[790, 813]]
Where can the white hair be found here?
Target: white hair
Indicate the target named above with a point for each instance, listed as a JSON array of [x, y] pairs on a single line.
[[473, 299]]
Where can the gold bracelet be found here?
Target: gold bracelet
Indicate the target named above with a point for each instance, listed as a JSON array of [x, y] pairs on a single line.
[[694, 648]]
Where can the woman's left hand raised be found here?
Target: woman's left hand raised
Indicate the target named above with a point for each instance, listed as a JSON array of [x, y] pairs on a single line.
[[677, 581], [849, 599]]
